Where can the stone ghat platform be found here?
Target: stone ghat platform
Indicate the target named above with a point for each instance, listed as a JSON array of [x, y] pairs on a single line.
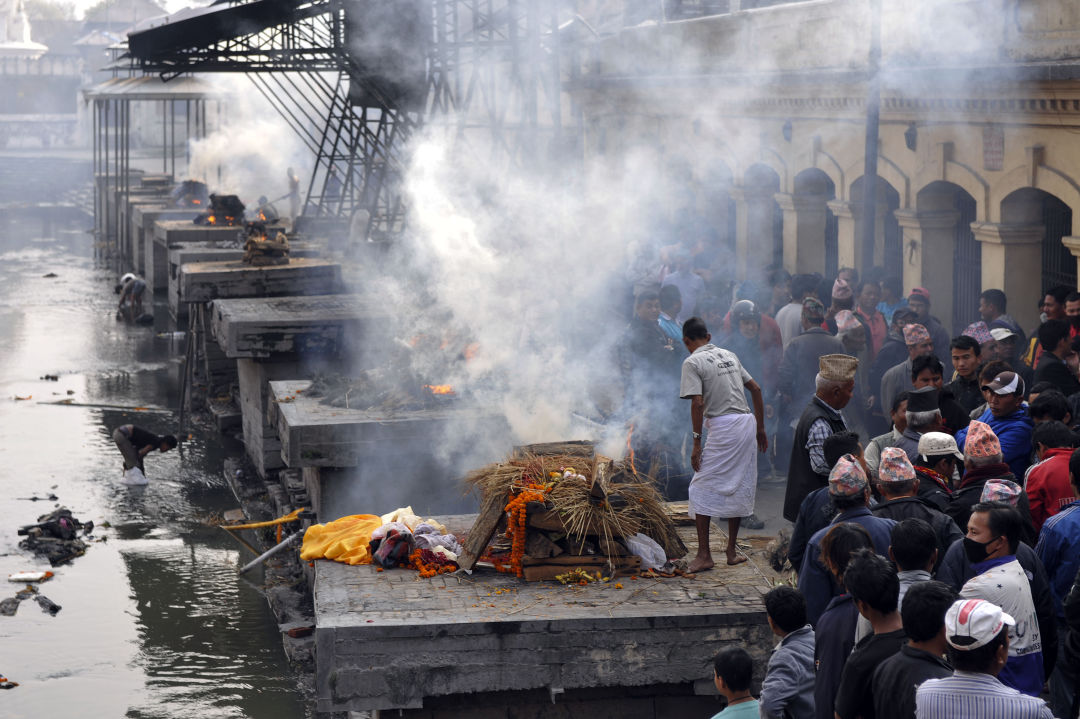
[[392, 640], [207, 281], [263, 326], [317, 435]]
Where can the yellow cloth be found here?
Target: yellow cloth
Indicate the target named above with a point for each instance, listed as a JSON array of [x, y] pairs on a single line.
[[343, 540]]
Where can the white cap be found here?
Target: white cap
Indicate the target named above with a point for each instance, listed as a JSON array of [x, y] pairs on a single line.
[[1001, 333], [935, 444], [973, 623], [125, 278]]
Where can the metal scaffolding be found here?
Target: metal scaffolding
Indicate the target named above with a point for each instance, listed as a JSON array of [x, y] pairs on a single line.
[[492, 77]]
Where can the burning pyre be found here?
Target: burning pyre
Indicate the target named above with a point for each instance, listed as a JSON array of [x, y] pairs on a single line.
[[190, 194], [265, 245], [225, 210]]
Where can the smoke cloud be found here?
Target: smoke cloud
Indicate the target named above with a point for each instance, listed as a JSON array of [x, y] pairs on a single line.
[[249, 153]]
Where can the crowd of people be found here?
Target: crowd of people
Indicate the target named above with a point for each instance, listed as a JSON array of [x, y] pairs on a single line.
[[932, 483]]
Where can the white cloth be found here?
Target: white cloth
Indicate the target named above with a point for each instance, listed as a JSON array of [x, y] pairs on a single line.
[[727, 483]]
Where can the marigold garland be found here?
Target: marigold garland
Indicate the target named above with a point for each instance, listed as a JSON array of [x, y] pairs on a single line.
[[430, 563], [515, 528]]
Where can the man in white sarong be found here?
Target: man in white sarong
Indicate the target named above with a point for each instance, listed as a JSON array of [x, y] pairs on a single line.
[[725, 469]]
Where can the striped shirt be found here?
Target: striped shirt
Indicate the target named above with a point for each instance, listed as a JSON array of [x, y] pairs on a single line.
[[968, 694]]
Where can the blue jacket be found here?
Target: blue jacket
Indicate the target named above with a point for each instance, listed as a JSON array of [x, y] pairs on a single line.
[[815, 512], [1014, 433], [815, 582], [1059, 550], [787, 691], [834, 640]]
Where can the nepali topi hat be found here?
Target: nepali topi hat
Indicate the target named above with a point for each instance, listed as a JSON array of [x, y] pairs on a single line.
[[838, 368]]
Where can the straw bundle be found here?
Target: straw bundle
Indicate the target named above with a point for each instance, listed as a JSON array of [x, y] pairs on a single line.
[[627, 506]]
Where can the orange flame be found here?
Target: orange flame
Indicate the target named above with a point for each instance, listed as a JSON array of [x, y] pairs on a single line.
[[196, 201], [630, 449], [439, 388]]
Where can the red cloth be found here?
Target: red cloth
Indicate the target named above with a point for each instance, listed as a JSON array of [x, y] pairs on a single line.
[[1048, 487], [878, 329]]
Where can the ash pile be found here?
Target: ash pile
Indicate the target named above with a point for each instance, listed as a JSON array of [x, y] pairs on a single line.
[[389, 389]]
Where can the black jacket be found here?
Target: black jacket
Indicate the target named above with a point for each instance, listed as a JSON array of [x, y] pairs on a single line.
[[802, 479], [967, 392], [1055, 371], [970, 492], [944, 527]]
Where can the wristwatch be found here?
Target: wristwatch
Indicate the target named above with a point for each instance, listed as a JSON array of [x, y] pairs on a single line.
[[697, 435]]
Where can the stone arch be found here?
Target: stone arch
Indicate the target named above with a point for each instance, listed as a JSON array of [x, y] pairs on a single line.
[[949, 258], [888, 171], [772, 159], [887, 248], [810, 227], [937, 169], [818, 159], [1045, 178], [1038, 208]]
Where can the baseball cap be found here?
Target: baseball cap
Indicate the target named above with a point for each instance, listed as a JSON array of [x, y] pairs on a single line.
[[936, 444], [920, 292], [973, 623], [1006, 383], [1001, 333]]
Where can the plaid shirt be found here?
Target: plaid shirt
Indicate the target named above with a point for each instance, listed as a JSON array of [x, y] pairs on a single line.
[[815, 441]]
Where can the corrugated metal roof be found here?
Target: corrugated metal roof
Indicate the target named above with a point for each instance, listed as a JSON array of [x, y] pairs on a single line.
[[152, 87]]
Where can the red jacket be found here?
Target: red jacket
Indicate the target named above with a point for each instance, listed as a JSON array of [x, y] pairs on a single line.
[[1048, 487]]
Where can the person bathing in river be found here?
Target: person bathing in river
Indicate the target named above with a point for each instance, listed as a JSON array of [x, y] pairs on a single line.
[[135, 443], [725, 468]]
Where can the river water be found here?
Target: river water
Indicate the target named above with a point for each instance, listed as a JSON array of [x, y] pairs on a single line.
[[155, 621]]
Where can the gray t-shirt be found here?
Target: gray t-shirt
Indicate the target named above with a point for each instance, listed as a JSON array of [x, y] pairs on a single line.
[[718, 376]]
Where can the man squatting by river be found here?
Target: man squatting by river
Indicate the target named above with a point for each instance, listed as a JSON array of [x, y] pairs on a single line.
[[135, 443]]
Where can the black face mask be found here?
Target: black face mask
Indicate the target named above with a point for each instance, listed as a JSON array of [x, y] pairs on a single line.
[[975, 551]]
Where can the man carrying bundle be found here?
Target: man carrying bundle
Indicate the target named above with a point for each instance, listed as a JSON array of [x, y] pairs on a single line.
[[725, 468]]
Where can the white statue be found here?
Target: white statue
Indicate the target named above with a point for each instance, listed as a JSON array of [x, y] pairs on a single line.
[[15, 31]]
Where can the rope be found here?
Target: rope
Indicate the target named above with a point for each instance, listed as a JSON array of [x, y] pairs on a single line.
[[292, 516]]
